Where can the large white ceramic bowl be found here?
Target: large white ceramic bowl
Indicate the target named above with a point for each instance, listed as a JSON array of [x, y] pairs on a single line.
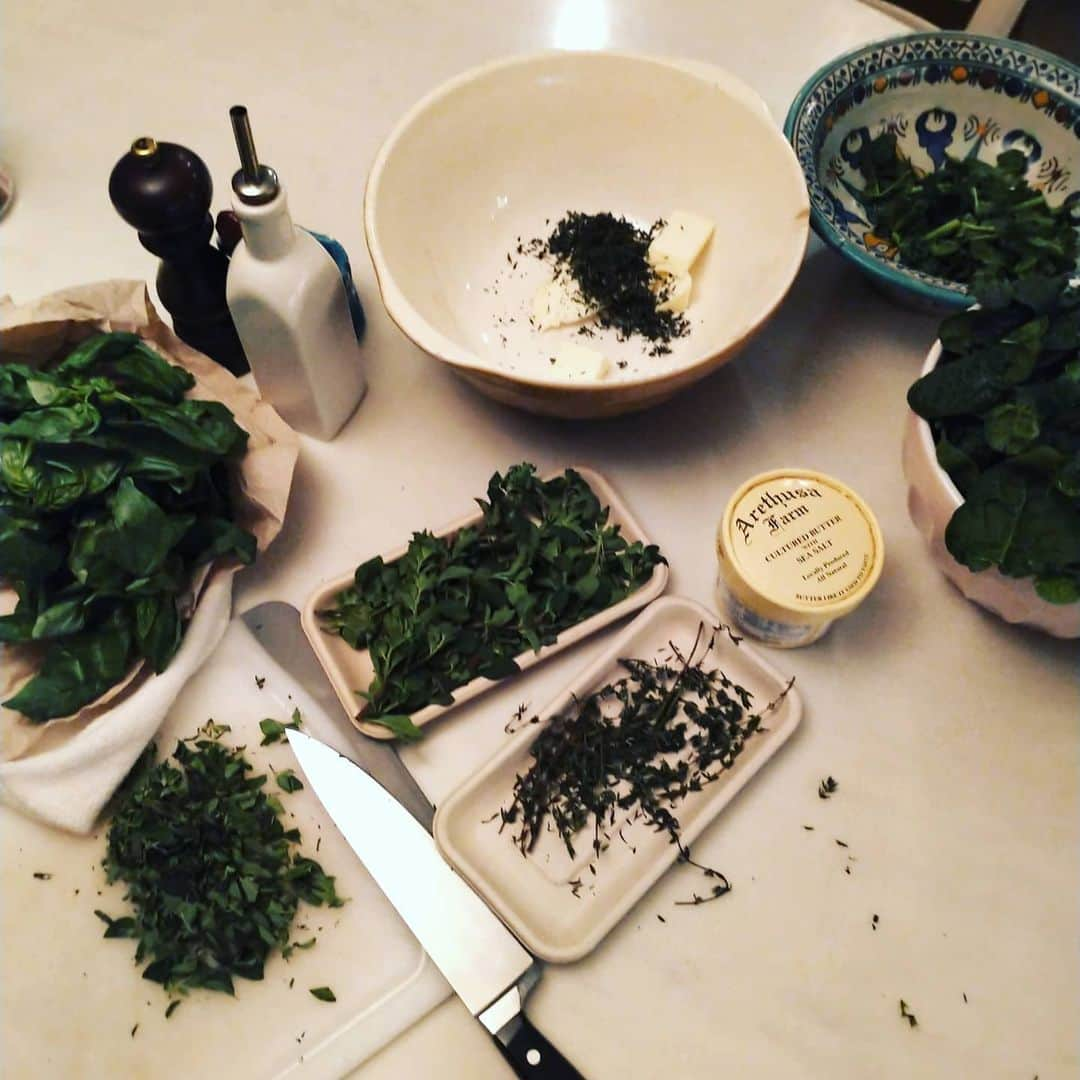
[[932, 500], [496, 156]]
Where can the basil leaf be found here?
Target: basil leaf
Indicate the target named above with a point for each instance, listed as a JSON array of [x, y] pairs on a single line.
[[76, 671], [401, 726], [143, 533]]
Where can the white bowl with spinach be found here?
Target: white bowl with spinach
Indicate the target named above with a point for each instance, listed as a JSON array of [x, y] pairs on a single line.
[[992, 453]]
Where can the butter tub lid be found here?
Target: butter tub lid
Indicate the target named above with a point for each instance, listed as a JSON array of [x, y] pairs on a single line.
[[799, 543]]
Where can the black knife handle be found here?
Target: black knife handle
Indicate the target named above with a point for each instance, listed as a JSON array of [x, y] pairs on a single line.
[[530, 1054]]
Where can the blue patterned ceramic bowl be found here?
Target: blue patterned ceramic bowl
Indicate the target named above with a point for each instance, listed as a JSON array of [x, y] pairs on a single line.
[[942, 94]]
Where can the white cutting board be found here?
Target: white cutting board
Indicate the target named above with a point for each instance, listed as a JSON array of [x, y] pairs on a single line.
[[69, 998]]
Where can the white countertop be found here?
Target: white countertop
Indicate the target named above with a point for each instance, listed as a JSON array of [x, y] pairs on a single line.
[[953, 736]]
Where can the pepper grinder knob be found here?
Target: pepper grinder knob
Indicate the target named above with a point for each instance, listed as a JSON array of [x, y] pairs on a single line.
[[164, 191]]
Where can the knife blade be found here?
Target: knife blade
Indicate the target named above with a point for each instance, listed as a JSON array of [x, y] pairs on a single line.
[[276, 626], [485, 964]]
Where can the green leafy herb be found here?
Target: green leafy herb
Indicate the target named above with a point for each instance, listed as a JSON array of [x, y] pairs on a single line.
[[274, 730], [827, 787], [114, 490], [211, 872], [401, 726], [41, 875], [173, 1006], [293, 946], [287, 780], [1003, 404], [543, 558], [907, 1014], [633, 750], [967, 220], [323, 993]]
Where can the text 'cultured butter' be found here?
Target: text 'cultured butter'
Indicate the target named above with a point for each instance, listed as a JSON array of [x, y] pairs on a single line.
[[797, 550]]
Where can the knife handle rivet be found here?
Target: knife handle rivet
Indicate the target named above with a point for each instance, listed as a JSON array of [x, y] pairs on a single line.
[[533, 1057]]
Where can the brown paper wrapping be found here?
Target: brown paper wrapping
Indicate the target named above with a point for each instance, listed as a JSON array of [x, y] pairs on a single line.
[[44, 329]]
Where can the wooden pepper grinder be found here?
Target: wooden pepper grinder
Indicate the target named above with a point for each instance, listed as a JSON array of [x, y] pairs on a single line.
[[164, 190]]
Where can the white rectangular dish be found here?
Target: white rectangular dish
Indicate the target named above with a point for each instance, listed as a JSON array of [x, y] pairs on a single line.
[[350, 670], [535, 895]]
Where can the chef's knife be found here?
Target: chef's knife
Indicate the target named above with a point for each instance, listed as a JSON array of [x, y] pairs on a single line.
[[480, 958], [276, 626]]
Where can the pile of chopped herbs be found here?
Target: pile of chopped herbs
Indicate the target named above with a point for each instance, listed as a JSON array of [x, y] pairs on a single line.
[[634, 749], [606, 257], [968, 219], [211, 872], [114, 488], [1003, 404], [543, 558]]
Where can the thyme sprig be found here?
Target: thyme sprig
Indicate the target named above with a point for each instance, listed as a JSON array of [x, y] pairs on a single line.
[[634, 749]]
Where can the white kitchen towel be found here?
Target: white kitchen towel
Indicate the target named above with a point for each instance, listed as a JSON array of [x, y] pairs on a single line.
[[67, 785]]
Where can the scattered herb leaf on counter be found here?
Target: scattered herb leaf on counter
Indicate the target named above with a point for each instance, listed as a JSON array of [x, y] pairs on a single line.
[[966, 220], [323, 993], [907, 1014], [634, 749], [1003, 404], [172, 1007], [114, 490], [287, 780], [274, 730], [41, 875], [543, 558], [827, 787], [211, 872]]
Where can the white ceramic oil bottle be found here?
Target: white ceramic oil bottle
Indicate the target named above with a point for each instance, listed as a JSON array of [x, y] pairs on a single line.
[[289, 304]]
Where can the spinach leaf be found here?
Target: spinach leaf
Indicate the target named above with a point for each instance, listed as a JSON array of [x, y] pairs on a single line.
[[1004, 406], [968, 221], [981, 531]]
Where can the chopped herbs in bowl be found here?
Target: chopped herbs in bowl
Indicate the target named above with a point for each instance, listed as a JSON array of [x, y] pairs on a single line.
[[938, 160], [992, 452]]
